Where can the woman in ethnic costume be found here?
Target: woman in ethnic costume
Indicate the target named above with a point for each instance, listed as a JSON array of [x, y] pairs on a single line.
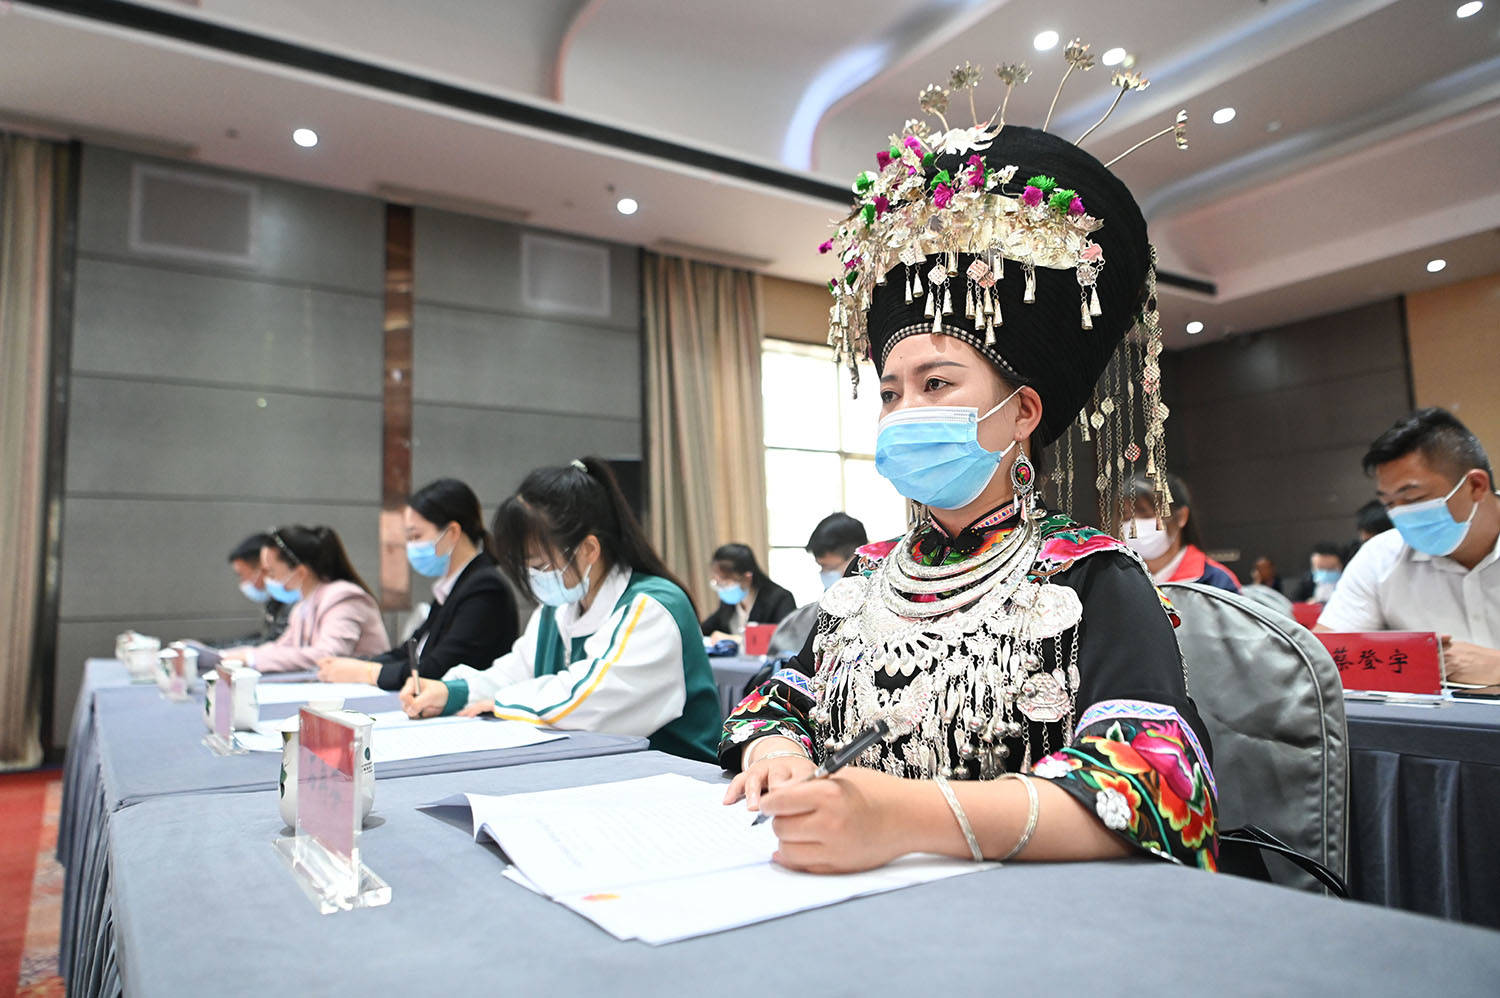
[[1024, 663]]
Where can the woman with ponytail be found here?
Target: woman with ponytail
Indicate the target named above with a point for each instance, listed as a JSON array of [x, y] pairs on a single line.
[[334, 612], [473, 616], [615, 644]]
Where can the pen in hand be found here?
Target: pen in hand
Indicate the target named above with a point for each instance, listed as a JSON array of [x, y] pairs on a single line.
[[842, 757], [411, 657]]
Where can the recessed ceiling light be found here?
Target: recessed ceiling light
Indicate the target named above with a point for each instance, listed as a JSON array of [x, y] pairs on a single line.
[[305, 137], [627, 206], [1045, 41], [1433, 266], [1469, 9], [1223, 116], [1194, 328], [1113, 57]]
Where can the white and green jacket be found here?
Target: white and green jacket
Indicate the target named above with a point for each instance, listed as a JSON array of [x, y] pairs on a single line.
[[632, 664]]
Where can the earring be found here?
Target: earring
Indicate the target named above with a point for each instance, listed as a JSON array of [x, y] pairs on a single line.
[[1023, 477]]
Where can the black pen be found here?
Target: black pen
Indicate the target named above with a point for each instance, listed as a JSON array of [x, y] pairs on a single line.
[[842, 757], [416, 678]]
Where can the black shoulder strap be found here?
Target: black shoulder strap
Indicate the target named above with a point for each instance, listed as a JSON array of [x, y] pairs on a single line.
[[1257, 838]]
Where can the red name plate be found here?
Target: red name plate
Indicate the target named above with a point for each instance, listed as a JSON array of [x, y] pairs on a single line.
[[325, 783], [1386, 661], [1307, 614], [758, 638], [224, 703]]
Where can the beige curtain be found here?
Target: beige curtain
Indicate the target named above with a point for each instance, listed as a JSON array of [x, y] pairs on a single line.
[[707, 462], [26, 232]]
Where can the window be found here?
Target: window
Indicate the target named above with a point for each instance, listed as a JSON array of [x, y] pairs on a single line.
[[820, 458]]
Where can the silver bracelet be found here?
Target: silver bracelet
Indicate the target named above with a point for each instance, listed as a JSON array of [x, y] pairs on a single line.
[[1031, 815], [963, 819], [783, 755]]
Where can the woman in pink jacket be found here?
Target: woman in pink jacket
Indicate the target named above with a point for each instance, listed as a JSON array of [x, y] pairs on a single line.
[[334, 613]]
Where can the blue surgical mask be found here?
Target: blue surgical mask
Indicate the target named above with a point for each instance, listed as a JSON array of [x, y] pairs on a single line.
[[1429, 527], [254, 593], [548, 587], [932, 454], [831, 576], [1325, 576], [281, 593], [731, 594], [424, 559]]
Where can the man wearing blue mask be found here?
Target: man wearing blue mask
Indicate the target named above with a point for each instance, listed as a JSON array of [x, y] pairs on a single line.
[[245, 560], [1439, 569]]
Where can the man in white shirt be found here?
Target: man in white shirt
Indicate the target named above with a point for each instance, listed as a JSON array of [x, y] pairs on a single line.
[[1439, 569]]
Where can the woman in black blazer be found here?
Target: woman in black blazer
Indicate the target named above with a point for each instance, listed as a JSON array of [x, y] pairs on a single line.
[[746, 594], [473, 619]]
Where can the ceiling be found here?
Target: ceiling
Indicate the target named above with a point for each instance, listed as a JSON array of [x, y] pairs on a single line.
[[1365, 143]]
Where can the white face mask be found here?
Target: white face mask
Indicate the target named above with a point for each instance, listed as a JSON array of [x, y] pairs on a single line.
[[1149, 541]]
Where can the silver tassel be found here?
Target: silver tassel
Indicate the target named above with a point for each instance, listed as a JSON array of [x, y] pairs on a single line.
[[1030, 296], [1094, 308], [989, 332], [916, 283], [1083, 306], [928, 310], [968, 301], [995, 311], [948, 299], [936, 313], [906, 283], [998, 266]]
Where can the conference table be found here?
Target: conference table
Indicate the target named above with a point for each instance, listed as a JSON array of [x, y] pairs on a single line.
[[455, 926], [167, 843], [1424, 807], [131, 745]]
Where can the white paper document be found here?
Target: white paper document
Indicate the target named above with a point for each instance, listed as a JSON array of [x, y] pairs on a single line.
[[303, 692], [661, 858], [397, 737]]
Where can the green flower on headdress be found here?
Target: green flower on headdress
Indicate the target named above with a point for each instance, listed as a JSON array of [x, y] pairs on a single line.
[[1060, 199], [1043, 184]]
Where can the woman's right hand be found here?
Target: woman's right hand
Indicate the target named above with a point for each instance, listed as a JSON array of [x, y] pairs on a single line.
[[428, 703], [763, 773]]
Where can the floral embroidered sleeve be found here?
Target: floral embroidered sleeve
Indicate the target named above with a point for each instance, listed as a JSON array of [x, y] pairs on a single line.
[[1139, 758], [1139, 767], [779, 706]]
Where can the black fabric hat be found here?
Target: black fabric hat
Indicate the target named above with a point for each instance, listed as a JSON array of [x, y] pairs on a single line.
[[1041, 344]]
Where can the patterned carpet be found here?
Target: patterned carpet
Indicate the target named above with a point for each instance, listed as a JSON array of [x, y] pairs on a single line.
[[30, 884]]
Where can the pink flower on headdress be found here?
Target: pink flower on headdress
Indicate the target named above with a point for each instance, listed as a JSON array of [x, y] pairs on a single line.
[[1075, 206], [853, 262], [882, 205], [941, 195], [976, 171], [826, 246], [883, 158], [1032, 195], [1092, 252], [913, 143]]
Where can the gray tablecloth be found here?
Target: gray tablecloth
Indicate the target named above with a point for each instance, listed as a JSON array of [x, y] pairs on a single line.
[[1424, 808], [454, 926], [150, 746], [134, 745], [731, 674]]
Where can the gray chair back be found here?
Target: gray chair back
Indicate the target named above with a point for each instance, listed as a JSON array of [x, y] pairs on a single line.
[[1270, 696]]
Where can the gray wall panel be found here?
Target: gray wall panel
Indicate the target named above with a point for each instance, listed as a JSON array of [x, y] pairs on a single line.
[[1268, 430], [493, 449], [305, 235], [149, 438], [134, 318], [495, 359], [160, 558], [475, 263]]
